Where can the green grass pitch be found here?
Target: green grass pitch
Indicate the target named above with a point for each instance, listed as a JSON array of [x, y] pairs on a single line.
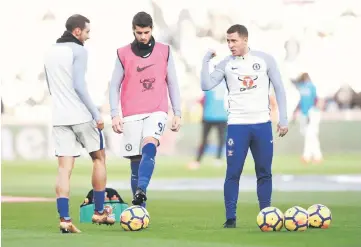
[[180, 218]]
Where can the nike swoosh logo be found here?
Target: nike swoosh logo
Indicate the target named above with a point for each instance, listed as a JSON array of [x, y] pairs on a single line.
[[145, 67], [233, 68]]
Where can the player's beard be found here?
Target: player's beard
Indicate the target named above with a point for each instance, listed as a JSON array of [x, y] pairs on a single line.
[[141, 49]]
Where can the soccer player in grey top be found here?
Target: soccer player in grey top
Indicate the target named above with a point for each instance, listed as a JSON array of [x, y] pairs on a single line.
[[248, 75], [77, 122]]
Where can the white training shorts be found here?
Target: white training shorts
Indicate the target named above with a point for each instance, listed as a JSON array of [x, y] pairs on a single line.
[[70, 139], [134, 131]]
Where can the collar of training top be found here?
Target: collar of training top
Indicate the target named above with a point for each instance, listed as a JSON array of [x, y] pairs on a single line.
[[143, 50], [68, 37], [245, 56]]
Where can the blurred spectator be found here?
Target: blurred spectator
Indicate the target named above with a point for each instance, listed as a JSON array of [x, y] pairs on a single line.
[[298, 44], [214, 116], [345, 96], [310, 108], [292, 48]]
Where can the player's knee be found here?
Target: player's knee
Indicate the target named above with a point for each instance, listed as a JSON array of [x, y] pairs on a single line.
[[149, 147], [64, 174], [263, 174], [65, 164], [150, 140], [98, 157], [233, 175], [135, 158], [134, 166]]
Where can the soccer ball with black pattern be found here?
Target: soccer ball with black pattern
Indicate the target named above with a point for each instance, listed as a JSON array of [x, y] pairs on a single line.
[[270, 219], [319, 216], [134, 218], [296, 219]]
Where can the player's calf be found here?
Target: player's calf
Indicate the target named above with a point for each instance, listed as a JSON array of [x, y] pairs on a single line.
[[147, 162], [238, 140], [99, 179], [146, 168], [99, 176], [262, 152], [134, 176], [62, 193], [65, 167], [134, 165]]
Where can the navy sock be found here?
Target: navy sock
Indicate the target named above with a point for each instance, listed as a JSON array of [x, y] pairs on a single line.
[[99, 197], [62, 204], [146, 166], [134, 166]]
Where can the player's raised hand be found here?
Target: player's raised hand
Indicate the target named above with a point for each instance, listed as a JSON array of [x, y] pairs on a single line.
[[211, 54], [282, 131], [117, 125], [176, 123], [100, 124]]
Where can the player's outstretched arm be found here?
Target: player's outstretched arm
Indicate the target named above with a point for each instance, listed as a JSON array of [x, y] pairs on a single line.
[[79, 84], [211, 80], [174, 92], [275, 77], [114, 95]]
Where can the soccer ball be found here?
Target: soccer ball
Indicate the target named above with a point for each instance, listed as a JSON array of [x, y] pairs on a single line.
[[146, 219], [296, 219], [270, 219], [319, 216], [134, 218]]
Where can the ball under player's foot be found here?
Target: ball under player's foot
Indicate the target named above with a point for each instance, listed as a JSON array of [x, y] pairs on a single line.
[[230, 223], [104, 218], [139, 197], [66, 226]]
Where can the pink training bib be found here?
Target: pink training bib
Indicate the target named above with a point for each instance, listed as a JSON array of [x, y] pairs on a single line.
[[144, 87]]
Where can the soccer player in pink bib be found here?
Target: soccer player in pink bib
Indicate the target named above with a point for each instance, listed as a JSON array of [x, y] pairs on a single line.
[[143, 77]]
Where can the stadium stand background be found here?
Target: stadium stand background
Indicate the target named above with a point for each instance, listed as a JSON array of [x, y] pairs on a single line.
[[303, 35]]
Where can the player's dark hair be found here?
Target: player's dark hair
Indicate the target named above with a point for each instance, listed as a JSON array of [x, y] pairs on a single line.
[[76, 21], [240, 29], [142, 19]]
